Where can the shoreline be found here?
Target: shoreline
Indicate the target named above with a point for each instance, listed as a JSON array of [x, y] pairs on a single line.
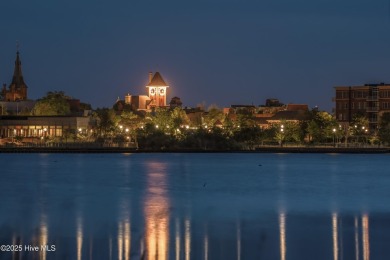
[[133, 150]]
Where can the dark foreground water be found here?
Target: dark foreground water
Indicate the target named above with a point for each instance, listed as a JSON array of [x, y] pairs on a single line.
[[195, 206]]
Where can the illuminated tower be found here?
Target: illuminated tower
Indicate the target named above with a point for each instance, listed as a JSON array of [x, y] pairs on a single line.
[[157, 90]]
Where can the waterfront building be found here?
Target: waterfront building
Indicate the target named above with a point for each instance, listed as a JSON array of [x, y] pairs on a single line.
[[43, 126], [369, 100], [17, 90]]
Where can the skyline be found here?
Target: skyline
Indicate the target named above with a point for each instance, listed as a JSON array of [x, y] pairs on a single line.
[[235, 53]]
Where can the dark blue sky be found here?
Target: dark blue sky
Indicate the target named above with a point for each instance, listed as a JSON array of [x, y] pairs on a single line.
[[214, 51]]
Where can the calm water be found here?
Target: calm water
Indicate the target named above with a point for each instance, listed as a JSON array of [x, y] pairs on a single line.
[[196, 206]]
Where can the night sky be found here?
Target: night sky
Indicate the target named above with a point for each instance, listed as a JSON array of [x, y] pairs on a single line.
[[209, 51]]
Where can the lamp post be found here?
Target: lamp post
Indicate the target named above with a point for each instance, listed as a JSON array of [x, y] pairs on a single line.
[[334, 135], [281, 135]]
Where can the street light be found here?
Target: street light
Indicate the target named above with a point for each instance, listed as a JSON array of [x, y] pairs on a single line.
[[334, 135], [281, 135]]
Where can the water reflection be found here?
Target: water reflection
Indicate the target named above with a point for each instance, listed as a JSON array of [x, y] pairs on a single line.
[[356, 225], [187, 239], [163, 214], [156, 210], [282, 234], [177, 239], [79, 237], [335, 236], [206, 245], [366, 237], [43, 236], [238, 241]]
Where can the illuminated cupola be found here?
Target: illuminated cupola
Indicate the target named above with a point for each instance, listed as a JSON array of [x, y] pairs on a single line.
[[157, 90]]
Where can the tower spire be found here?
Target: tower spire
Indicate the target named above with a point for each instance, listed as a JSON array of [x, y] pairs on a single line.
[[17, 79]]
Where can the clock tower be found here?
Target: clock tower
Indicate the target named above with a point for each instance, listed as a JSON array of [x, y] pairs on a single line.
[[157, 90]]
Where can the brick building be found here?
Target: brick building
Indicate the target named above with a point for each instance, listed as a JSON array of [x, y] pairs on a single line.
[[370, 100]]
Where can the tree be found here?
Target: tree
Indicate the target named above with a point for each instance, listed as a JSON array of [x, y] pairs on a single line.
[[248, 135], [53, 104], [162, 119], [213, 115], [106, 121], [179, 117], [359, 127], [320, 126]]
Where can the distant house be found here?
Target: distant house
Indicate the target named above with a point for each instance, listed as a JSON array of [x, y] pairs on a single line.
[[297, 107]]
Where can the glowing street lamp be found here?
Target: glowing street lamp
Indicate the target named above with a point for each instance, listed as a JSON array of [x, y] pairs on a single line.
[[334, 135], [281, 135]]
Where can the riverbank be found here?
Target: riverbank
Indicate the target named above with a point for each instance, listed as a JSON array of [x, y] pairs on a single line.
[[268, 149]]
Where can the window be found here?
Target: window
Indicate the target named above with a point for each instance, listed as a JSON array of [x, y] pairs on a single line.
[[353, 105], [345, 105], [340, 117]]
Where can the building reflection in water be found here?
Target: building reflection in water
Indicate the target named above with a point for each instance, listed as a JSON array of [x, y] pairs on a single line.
[[282, 235], [156, 209]]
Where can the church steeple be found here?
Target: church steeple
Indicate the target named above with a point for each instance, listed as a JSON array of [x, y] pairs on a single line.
[[17, 79], [17, 90]]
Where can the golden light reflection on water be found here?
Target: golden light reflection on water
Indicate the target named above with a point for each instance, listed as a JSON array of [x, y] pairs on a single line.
[[43, 236], [187, 238], [206, 246], [127, 239], [335, 236], [156, 209], [366, 237], [124, 230], [120, 241], [79, 238], [282, 235], [177, 239]]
